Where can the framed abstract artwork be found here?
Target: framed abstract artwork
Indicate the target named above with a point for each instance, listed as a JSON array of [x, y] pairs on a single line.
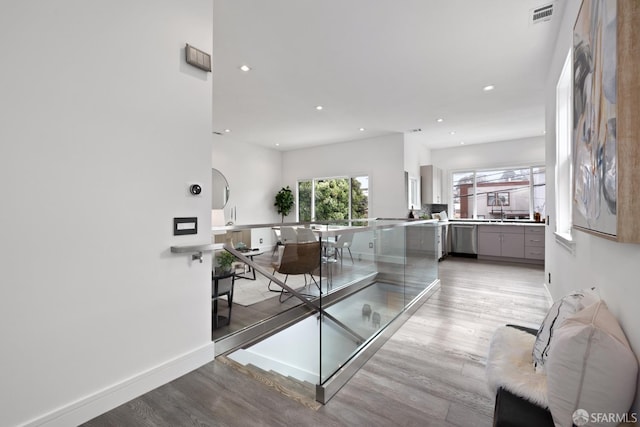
[[606, 129]]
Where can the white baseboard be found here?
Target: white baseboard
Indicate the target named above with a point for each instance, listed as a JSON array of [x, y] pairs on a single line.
[[549, 296], [95, 404]]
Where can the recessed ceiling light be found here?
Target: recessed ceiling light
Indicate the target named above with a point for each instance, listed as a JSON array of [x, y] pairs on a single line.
[[277, 144], [488, 88], [439, 120], [361, 129], [461, 142], [227, 130], [453, 132], [319, 107], [245, 68]]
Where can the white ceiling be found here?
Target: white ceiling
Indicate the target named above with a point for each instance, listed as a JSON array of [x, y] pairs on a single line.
[[384, 65]]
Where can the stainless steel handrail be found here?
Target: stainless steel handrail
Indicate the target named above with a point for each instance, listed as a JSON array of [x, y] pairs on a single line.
[[381, 223], [196, 250]]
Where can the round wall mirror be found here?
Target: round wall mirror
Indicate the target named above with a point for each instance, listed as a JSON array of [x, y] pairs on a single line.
[[219, 190]]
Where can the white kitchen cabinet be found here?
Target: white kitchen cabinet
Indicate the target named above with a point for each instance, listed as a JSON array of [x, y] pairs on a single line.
[[431, 184], [489, 243], [534, 243], [426, 239], [513, 244], [501, 241]]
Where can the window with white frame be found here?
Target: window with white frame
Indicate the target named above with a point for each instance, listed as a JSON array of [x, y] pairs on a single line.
[[563, 150], [505, 193], [412, 193], [341, 198]]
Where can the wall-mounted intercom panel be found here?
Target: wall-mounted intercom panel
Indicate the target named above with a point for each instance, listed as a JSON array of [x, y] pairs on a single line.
[[187, 225]]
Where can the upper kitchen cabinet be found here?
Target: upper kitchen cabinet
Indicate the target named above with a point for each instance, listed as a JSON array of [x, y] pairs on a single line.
[[431, 184]]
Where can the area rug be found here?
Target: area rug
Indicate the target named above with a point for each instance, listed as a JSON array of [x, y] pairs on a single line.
[[248, 292]]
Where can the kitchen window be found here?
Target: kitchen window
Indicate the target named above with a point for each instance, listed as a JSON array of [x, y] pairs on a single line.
[[505, 193]]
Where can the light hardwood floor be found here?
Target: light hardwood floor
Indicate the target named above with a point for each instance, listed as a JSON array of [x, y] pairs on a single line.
[[430, 373]]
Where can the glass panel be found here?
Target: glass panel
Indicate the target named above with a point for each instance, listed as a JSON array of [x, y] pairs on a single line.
[[366, 312], [539, 185], [331, 199], [421, 267], [252, 300], [463, 194], [365, 275], [399, 264], [360, 197], [304, 201]]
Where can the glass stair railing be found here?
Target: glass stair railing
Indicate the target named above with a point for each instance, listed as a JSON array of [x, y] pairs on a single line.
[[340, 308]]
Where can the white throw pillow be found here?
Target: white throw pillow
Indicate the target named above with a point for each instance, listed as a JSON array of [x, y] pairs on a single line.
[[559, 311], [590, 367]]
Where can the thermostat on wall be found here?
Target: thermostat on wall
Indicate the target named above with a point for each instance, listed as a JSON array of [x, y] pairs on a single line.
[[198, 58]]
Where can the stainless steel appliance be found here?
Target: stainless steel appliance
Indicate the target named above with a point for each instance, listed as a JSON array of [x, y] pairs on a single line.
[[464, 239]]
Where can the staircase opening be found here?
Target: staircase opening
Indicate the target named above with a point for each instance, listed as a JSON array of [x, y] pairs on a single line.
[[330, 324]]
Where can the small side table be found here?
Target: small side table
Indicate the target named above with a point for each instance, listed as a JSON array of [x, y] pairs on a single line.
[[250, 254], [221, 285]]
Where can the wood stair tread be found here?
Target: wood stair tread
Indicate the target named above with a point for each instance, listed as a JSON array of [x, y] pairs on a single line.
[[300, 391]]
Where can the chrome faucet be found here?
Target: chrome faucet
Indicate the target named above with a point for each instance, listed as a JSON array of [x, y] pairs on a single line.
[[501, 203]]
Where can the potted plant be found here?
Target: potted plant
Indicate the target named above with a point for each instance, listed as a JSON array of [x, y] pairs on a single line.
[[225, 261], [284, 201]]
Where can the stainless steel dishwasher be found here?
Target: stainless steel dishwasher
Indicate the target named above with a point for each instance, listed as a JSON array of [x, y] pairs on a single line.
[[464, 240]]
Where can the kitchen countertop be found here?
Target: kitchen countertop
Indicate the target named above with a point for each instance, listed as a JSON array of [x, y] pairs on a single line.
[[517, 223]]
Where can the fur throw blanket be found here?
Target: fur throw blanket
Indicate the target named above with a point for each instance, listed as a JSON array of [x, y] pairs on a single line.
[[510, 366]]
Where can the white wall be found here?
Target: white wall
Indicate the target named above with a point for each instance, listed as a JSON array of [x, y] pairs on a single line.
[[254, 174], [104, 126], [611, 267], [520, 152], [416, 154], [381, 158], [494, 154]]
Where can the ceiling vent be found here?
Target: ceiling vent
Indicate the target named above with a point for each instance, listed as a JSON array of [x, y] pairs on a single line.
[[541, 14]]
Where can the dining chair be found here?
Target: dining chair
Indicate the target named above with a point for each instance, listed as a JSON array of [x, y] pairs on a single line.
[[284, 235], [288, 235], [306, 235], [297, 258], [344, 241], [278, 235]]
